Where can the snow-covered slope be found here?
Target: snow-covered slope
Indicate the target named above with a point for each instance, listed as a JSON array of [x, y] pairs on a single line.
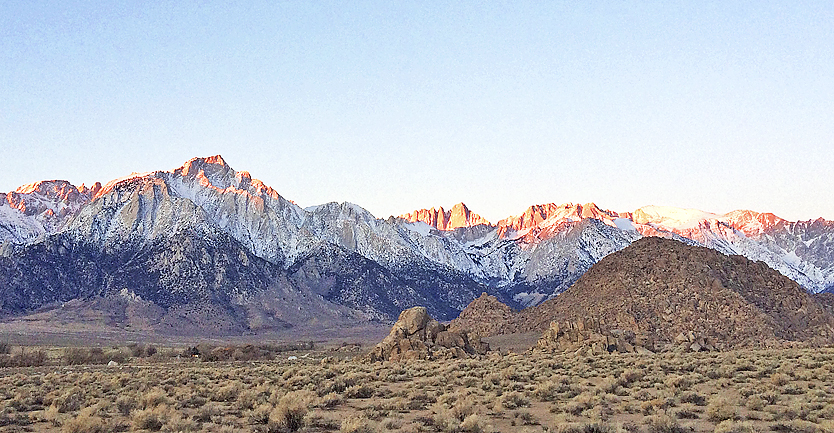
[[40, 208]]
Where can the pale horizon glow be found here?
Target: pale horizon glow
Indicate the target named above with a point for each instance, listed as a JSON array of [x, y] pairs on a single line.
[[715, 106]]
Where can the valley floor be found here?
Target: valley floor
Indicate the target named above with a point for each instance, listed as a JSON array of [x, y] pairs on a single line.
[[326, 390]]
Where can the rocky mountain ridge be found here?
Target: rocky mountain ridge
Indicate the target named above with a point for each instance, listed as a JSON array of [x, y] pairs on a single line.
[[344, 256]]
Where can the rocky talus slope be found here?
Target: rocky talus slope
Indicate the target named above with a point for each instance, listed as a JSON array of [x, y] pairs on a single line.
[[416, 335]]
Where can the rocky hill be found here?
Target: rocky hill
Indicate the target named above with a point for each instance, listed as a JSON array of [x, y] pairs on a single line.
[[664, 289], [486, 315]]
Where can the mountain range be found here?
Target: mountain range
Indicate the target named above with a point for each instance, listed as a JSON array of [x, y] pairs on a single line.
[[206, 247]]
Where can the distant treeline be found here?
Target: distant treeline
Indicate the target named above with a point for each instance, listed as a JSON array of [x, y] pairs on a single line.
[[35, 357], [23, 358], [249, 352]]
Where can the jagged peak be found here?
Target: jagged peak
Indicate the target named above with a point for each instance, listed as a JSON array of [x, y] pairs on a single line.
[[46, 198], [113, 184], [204, 172], [93, 190], [46, 187], [540, 213], [457, 217], [752, 222], [208, 160], [213, 167]]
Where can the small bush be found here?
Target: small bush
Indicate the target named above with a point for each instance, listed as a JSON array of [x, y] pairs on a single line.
[[693, 398], [179, 424], [755, 402], [357, 424], [125, 404], [472, 424], [85, 422], [580, 403], [779, 379], [359, 391], [665, 424], [290, 411], [154, 398], [722, 409], [584, 428], [331, 400], [514, 400], [207, 412], [69, 401], [260, 414], [151, 419], [728, 426], [226, 393]]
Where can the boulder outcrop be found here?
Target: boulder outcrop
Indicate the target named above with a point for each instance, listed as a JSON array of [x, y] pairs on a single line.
[[416, 335], [592, 337], [692, 342]]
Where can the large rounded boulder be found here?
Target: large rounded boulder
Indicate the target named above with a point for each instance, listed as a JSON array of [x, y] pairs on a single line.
[[416, 335]]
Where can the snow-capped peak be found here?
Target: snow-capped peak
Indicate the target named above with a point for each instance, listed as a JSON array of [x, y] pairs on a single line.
[[672, 218], [751, 222]]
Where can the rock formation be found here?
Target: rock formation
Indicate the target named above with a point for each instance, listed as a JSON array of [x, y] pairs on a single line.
[[590, 336], [416, 335], [486, 315], [691, 342], [457, 217]]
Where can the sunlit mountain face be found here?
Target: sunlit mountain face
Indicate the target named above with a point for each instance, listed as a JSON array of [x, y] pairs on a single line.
[[208, 225]]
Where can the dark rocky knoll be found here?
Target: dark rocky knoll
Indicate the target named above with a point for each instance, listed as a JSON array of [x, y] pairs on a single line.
[[675, 293]]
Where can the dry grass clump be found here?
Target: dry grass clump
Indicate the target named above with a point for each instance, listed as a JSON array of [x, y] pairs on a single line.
[[289, 413], [514, 400], [665, 424], [85, 423], [357, 424], [151, 418], [722, 409]]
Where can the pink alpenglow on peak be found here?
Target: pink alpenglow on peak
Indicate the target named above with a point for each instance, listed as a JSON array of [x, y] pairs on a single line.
[[216, 159], [753, 223], [459, 216], [547, 215], [55, 195]]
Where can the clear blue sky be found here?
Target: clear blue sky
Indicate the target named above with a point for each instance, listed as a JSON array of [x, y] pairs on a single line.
[[403, 105]]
